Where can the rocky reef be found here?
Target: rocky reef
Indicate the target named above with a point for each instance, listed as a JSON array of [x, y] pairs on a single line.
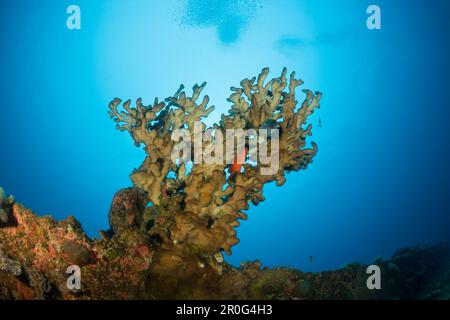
[[36, 251], [169, 232], [132, 264]]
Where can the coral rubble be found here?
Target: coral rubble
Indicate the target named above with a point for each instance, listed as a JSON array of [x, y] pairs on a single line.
[[168, 232]]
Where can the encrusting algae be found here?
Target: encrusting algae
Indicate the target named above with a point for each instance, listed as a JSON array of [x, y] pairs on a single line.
[[168, 232]]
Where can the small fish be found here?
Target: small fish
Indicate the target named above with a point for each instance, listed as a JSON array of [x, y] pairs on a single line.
[[236, 167], [320, 123], [3, 216], [270, 124], [311, 258], [158, 122], [164, 190]]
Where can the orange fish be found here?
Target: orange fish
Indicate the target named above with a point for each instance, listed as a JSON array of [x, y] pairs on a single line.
[[236, 167]]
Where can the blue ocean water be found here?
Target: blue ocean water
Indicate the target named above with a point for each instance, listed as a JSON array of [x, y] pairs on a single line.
[[381, 179]]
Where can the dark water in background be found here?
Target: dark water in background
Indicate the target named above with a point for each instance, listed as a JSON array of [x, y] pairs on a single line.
[[381, 179]]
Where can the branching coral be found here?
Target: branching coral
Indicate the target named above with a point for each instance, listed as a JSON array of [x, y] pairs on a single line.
[[202, 206]]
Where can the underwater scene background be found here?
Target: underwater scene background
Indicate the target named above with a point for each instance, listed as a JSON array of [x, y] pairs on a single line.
[[380, 181]]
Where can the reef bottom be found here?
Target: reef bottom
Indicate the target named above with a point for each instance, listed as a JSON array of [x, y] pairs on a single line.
[[35, 253]]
